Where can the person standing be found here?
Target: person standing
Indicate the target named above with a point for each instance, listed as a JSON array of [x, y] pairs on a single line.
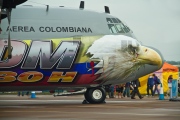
[[150, 84], [107, 88], [169, 81], [112, 91], [27, 93], [20, 93], [156, 83], [119, 90], [127, 89], [135, 85]]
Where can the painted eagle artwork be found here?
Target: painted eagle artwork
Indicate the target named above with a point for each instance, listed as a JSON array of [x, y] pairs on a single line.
[[120, 56]]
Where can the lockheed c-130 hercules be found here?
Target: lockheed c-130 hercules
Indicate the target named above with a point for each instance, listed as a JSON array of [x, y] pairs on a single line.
[[46, 48]]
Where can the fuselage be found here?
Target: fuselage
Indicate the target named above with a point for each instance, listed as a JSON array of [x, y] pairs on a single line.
[[61, 47], [28, 22]]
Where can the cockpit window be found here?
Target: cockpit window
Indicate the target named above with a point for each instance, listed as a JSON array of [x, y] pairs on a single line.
[[123, 27], [119, 28], [114, 20], [116, 26], [112, 28], [127, 27], [109, 20], [118, 20]]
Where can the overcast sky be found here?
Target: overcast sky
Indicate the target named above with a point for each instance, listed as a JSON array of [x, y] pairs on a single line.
[[154, 22]]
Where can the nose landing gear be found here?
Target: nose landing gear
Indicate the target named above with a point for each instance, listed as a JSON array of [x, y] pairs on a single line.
[[95, 95]]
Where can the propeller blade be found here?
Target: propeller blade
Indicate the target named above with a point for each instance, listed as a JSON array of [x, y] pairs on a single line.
[[9, 36], [9, 15], [1, 3], [9, 46]]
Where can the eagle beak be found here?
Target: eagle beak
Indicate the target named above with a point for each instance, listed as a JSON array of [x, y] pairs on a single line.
[[149, 56]]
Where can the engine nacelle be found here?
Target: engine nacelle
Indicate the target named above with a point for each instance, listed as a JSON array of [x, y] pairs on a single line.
[[11, 3], [6, 4]]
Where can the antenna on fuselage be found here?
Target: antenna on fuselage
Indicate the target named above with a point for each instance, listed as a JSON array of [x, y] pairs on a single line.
[[81, 5], [106, 9]]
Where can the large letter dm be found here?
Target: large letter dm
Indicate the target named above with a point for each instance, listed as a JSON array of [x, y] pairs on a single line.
[[65, 54]]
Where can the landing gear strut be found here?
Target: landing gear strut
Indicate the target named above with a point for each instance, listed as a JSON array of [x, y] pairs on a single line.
[[95, 95]]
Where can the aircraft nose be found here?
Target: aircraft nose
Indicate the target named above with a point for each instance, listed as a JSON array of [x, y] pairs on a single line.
[[152, 56], [160, 59], [153, 60]]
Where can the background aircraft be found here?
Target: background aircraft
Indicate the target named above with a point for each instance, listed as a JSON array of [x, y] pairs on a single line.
[[44, 48]]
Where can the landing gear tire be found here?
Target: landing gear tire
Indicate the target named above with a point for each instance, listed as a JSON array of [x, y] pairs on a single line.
[[95, 95]]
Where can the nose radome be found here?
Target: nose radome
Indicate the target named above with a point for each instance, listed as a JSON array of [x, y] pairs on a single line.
[[152, 60], [151, 56], [162, 60]]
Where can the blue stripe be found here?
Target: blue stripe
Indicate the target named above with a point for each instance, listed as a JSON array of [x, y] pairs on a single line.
[[81, 68]]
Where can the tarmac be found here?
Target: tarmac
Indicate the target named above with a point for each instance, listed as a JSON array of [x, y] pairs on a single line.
[[48, 107]]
